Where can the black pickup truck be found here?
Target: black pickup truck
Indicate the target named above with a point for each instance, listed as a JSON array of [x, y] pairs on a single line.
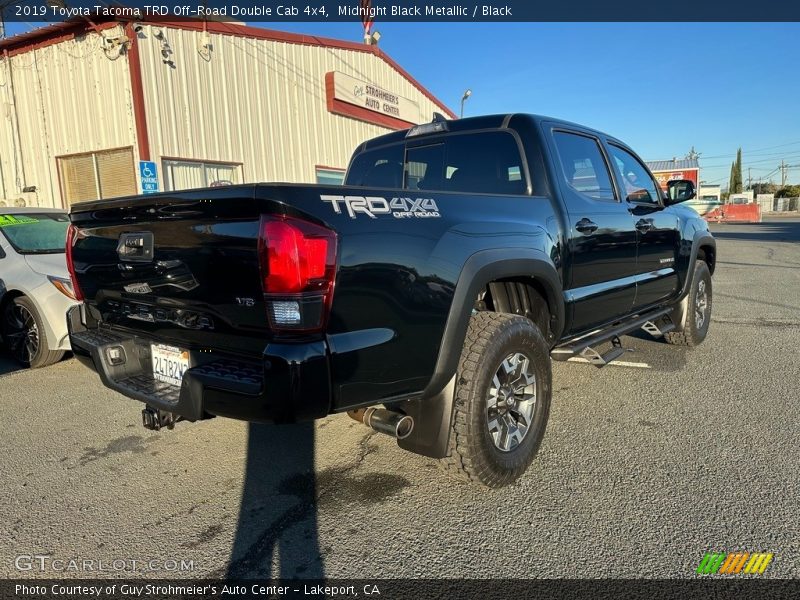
[[426, 296]]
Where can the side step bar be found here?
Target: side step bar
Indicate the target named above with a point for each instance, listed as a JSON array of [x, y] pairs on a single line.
[[592, 356], [658, 330], [583, 347]]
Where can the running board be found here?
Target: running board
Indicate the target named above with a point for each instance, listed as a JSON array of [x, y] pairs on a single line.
[[592, 356], [657, 330], [584, 347]]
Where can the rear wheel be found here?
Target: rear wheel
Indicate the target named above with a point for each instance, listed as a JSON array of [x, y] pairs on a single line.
[[502, 403], [24, 335], [698, 312]]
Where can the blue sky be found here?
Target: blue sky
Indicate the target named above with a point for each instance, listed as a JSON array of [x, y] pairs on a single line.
[[661, 87]]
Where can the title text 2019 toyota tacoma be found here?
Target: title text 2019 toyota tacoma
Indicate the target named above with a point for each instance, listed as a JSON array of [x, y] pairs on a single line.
[[426, 296]]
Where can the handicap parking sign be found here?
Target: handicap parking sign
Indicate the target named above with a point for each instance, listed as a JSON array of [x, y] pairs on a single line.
[[149, 176]]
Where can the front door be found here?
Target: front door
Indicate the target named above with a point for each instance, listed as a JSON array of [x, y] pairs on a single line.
[[657, 229], [601, 278]]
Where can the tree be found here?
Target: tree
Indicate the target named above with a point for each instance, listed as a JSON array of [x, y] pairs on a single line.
[[736, 175], [764, 188], [789, 191], [732, 180]]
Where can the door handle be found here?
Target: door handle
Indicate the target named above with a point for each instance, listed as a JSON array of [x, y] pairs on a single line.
[[644, 225], [586, 226]]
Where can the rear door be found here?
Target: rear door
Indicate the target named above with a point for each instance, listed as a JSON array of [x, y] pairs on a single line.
[[657, 229], [602, 239]]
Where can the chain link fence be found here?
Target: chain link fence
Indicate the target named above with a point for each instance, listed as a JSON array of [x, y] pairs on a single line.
[[769, 204]]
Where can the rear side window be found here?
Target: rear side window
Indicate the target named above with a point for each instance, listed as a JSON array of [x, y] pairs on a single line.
[[583, 165], [382, 167], [479, 163], [483, 163]]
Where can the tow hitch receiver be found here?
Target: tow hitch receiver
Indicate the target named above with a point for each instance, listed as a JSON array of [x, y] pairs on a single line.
[[155, 419]]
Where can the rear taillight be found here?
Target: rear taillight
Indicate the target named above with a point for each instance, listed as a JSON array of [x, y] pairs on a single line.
[[298, 269], [72, 237]]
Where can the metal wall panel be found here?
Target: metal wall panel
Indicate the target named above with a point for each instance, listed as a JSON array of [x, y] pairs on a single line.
[[257, 102], [61, 99]]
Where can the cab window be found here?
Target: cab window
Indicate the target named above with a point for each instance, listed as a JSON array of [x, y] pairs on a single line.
[[424, 167], [380, 168], [473, 163], [637, 184], [583, 165], [484, 163]]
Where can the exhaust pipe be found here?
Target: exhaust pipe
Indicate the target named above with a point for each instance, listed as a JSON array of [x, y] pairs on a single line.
[[385, 421]]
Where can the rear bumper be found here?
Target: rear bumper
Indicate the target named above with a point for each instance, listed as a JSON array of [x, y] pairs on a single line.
[[290, 383]]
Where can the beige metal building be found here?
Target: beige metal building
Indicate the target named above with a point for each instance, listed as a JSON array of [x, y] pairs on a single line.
[[82, 104]]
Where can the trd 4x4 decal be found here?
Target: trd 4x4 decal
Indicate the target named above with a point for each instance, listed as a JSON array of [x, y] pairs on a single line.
[[372, 206]]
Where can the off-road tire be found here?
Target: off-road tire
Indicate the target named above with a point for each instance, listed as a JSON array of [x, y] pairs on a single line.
[[43, 356], [690, 334], [473, 454]]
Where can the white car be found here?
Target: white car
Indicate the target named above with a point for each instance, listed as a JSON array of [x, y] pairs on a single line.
[[35, 288]]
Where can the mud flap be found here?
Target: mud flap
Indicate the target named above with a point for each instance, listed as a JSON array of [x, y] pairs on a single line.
[[432, 422]]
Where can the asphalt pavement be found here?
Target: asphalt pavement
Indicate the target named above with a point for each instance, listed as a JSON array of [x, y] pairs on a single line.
[[645, 467]]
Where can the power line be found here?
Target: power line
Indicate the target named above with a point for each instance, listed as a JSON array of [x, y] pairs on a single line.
[[755, 150], [790, 155]]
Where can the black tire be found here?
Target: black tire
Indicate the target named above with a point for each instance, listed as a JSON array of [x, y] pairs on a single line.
[[693, 330], [24, 337], [494, 342]]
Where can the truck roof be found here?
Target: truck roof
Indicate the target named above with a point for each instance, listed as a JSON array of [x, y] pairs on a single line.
[[480, 122]]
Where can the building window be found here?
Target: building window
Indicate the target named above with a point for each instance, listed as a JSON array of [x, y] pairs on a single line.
[[97, 175], [330, 176], [190, 174]]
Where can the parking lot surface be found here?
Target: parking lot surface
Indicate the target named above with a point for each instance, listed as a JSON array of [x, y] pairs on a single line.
[[644, 468]]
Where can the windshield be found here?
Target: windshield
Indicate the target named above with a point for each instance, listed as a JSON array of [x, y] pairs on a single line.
[[35, 233]]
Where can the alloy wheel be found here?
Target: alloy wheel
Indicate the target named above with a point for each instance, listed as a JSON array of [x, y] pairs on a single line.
[[700, 304], [511, 402], [21, 333]]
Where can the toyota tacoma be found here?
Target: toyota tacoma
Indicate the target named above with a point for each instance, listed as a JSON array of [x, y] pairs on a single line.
[[426, 296]]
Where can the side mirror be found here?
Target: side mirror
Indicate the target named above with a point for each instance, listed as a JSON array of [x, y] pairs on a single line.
[[680, 190]]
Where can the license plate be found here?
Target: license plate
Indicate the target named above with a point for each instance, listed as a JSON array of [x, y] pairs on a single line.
[[169, 363]]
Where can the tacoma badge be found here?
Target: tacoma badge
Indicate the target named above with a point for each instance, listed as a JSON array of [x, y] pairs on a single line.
[[137, 288]]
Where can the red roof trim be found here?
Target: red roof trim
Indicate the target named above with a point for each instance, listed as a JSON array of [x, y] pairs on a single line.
[[59, 32], [50, 36]]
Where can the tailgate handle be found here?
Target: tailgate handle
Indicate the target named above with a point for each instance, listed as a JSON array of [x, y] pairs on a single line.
[[136, 247]]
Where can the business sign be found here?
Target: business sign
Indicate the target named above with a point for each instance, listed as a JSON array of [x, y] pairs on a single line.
[[369, 96], [662, 177], [148, 173]]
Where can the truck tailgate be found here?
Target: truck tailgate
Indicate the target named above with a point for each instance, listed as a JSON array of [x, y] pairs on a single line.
[[180, 266]]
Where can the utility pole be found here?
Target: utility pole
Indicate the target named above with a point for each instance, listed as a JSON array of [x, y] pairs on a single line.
[[749, 180], [692, 154], [783, 173]]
